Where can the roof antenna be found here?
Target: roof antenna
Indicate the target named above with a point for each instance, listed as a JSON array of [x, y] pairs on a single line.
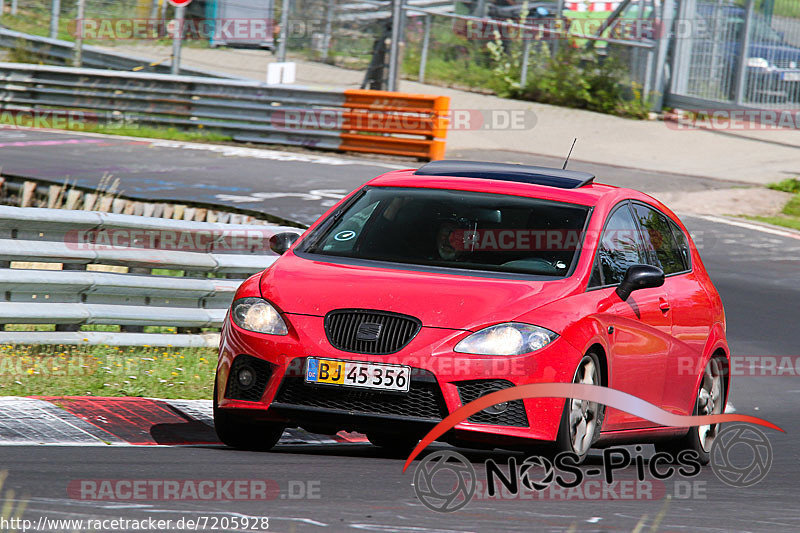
[[569, 154]]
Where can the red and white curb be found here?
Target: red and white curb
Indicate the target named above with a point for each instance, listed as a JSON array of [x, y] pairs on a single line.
[[86, 420]]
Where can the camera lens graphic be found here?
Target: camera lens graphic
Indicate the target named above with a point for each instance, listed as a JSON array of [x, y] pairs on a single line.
[[741, 456], [445, 481]]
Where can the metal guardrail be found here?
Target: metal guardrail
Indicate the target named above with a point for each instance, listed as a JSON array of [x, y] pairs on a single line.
[[60, 52], [74, 296], [348, 120]]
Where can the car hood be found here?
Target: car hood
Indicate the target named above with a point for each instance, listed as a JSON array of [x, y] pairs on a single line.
[[311, 287]]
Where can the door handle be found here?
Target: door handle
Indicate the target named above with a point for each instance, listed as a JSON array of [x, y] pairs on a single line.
[[663, 304]]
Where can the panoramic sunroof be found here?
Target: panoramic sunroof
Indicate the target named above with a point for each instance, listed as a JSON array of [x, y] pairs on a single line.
[[550, 177]]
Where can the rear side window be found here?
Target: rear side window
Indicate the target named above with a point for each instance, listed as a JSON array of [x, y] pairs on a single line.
[[620, 247], [659, 240], [683, 245]]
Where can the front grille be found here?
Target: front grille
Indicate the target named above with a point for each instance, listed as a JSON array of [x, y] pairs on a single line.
[[514, 415], [253, 393], [422, 401], [370, 332]]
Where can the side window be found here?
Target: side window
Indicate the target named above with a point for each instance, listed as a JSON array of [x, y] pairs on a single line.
[[620, 247], [683, 245], [659, 240]]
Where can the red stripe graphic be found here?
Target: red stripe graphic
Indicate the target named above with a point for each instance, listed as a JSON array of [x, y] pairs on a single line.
[[580, 391]]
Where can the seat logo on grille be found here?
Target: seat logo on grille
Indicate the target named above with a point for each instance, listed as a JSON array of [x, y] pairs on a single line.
[[369, 331]]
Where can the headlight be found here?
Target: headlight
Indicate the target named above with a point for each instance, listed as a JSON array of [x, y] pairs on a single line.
[[511, 338], [757, 62], [258, 315]]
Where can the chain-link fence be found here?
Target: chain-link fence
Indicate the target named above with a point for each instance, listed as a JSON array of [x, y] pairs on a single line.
[[441, 40], [442, 43], [737, 52]]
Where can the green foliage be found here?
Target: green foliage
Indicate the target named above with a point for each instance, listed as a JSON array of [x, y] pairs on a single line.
[[787, 185], [573, 78], [792, 207], [107, 371]]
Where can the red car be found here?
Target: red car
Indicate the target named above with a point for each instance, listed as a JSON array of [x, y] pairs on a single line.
[[426, 289]]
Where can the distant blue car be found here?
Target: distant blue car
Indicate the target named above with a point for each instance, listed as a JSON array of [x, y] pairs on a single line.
[[773, 66]]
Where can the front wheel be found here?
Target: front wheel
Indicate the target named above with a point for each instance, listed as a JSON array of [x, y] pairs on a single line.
[[581, 420], [238, 432], [710, 401]]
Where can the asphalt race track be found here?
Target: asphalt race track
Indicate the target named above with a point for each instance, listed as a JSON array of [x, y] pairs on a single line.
[[352, 487], [294, 185]]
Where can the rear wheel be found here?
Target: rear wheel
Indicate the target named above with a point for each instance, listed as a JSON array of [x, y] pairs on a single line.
[[239, 432], [394, 445], [710, 401], [581, 420]]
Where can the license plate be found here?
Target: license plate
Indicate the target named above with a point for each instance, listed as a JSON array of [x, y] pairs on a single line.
[[358, 374], [791, 76]]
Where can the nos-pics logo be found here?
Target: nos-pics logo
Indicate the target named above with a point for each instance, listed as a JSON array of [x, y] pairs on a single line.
[[446, 481]]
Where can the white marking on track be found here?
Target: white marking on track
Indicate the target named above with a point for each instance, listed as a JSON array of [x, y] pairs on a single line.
[[750, 226], [275, 155]]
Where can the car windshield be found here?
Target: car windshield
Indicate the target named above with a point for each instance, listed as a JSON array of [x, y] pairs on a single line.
[[454, 229]]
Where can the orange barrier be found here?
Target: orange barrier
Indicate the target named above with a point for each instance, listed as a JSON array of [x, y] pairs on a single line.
[[383, 122]]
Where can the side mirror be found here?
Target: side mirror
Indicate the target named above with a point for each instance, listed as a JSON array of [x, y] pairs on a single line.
[[639, 277], [280, 242]]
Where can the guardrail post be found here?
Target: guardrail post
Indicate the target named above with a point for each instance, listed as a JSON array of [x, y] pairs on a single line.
[[740, 87], [177, 40], [55, 11], [13, 7], [78, 60], [426, 39]]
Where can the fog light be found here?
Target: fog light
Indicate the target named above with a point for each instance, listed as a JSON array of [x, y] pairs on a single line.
[[496, 409], [246, 377]]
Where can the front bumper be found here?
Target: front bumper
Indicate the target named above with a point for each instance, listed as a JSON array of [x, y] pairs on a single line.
[[442, 381]]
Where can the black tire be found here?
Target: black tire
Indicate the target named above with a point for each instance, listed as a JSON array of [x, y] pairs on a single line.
[[564, 438], [692, 439], [239, 432], [393, 445]]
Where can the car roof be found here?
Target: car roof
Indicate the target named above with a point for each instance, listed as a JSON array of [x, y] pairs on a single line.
[[552, 177], [590, 194]]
